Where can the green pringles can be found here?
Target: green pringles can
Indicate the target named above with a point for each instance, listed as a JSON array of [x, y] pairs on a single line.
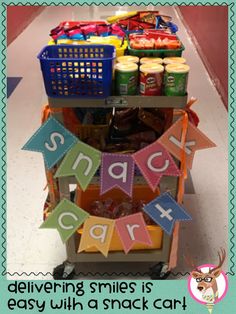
[[176, 79], [126, 78]]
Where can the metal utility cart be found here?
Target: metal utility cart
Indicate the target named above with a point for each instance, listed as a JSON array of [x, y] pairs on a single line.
[[161, 256]]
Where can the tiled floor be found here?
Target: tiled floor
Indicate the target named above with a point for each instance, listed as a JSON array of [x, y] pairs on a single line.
[[32, 250]]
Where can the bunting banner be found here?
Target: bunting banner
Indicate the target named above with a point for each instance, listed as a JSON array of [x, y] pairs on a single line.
[[165, 211], [97, 232], [66, 218], [82, 161], [132, 229], [154, 161], [53, 140], [117, 170], [195, 140]]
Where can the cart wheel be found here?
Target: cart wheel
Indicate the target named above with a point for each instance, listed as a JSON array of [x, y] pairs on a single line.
[[159, 271], [64, 271]]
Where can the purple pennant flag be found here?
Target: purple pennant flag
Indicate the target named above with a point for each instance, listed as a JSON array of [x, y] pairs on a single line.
[[117, 170]]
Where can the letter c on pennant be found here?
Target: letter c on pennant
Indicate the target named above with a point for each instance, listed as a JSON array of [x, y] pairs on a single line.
[[154, 169], [60, 220]]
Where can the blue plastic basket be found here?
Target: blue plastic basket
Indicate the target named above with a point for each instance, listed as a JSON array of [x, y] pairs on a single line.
[[71, 71]]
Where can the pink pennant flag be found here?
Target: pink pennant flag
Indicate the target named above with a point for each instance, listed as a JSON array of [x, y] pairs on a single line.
[[195, 140], [154, 161], [132, 229], [117, 170]]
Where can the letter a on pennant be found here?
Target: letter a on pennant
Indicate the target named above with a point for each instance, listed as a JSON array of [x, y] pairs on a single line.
[[154, 161], [132, 229], [117, 171], [66, 218], [97, 232], [195, 140], [82, 161], [52, 140]]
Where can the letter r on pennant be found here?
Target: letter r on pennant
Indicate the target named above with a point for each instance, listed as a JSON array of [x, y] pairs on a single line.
[[131, 230]]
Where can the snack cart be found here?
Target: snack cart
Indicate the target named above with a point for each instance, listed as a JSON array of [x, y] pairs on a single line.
[[65, 65]]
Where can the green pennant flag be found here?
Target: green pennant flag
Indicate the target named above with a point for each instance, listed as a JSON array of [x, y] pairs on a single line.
[[66, 218], [82, 161]]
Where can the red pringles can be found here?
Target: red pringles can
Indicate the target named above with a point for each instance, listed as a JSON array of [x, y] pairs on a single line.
[[151, 79]]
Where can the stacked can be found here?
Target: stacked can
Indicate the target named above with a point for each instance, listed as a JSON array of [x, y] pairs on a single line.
[[126, 75], [176, 79], [151, 79], [169, 79]]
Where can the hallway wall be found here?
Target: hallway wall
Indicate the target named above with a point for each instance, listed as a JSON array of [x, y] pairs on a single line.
[[200, 22], [18, 18]]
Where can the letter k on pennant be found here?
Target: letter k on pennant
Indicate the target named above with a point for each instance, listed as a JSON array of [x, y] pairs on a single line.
[[195, 140]]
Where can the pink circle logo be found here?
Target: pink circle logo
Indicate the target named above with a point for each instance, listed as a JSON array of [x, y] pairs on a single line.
[[207, 285]]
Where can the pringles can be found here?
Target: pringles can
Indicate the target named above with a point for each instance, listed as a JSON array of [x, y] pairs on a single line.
[[151, 79], [176, 79], [127, 59], [151, 60], [126, 78], [169, 60]]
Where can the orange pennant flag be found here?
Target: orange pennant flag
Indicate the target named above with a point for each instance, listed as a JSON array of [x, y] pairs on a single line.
[[97, 232], [195, 140]]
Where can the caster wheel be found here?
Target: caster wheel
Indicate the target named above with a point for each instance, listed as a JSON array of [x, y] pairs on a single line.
[[61, 273], [159, 271]]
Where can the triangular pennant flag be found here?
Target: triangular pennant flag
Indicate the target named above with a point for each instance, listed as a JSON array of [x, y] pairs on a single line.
[[66, 218], [165, 211], [117, 170], [97, 232], [82, 161], [132, 229], [53, 140], [154, 161], [195, 140]]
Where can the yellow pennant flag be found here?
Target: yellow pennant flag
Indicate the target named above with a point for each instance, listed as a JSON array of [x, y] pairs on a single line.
[[97, 232]]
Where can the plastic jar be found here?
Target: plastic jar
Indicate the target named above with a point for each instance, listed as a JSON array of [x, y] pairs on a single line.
[[151, 79]]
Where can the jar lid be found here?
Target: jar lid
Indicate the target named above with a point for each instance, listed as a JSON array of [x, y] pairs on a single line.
[[125, 59], [170, 60], [126, 67], [151, 68], [177, 68], [151, 60]]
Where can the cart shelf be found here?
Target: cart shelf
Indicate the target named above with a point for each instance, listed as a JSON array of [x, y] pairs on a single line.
[[121, 102]]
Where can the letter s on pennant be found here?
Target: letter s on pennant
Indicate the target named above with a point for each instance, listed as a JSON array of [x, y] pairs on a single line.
[[53, 147]]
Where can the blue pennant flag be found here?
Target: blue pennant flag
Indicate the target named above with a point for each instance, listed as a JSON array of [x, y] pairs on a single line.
[[165, 211], [53, 140]]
